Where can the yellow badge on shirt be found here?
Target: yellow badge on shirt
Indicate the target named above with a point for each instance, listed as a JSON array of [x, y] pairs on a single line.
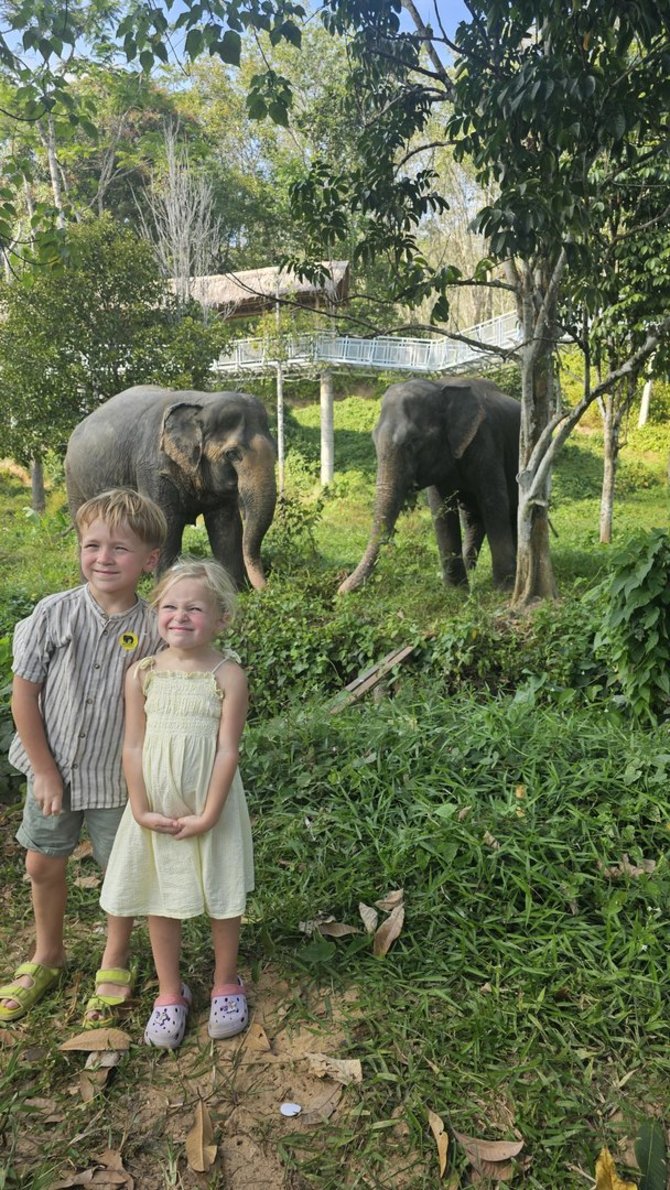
[[129, 641]]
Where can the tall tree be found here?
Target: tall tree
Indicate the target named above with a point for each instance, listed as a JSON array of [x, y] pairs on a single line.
[[72, 339]]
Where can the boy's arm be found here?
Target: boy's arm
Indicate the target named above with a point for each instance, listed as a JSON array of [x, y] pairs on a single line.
[[47, 781], [133, 743], [233, 717]]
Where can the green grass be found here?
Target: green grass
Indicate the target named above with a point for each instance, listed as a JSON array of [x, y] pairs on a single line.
[[494, 779]]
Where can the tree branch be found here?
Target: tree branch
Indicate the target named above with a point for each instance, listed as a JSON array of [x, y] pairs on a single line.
[[425, 36], [547, 447]]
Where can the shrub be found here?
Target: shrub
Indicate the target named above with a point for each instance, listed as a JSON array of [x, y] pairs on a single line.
[[635, 635]]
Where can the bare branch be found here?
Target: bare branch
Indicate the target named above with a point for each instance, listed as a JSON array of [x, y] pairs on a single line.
[[425, 36]]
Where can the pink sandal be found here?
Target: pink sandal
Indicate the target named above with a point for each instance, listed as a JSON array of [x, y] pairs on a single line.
[[229, 1013], [167, 1024]]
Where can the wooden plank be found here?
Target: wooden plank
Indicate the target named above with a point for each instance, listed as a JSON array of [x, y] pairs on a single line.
[[370, 677]]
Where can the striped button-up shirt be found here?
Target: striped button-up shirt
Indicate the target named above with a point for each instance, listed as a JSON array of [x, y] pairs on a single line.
[[80, 655]]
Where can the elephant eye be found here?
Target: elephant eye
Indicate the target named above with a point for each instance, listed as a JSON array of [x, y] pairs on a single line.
[[233, 454]]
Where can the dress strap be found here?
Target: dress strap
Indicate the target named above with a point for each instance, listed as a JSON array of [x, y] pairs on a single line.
[[146, 665], [229, 655]]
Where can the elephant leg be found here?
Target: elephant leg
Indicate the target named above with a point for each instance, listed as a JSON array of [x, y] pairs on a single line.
[[172, 546], [224, 529], [498, 529], [472, 528], [447, 526]]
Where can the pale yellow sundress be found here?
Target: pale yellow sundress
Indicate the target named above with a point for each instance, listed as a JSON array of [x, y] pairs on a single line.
[[153, 873]]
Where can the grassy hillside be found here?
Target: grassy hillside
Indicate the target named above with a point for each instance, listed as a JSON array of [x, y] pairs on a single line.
[[497, 779]]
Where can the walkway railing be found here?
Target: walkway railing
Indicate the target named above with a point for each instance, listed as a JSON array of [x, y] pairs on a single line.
[[300, 352]]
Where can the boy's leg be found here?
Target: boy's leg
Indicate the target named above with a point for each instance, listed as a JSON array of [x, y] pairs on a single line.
[[165, 935], [49, 841], [115, 956], [226, 940], [102, 827], [49, 894]]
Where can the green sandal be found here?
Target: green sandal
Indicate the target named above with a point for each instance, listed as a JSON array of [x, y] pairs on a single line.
[[43, 978], [107, 1006]]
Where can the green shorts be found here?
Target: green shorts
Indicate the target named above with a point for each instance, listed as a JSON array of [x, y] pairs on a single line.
[[58, 834]]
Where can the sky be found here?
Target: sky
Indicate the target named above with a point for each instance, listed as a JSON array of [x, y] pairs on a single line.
[[451, 12]]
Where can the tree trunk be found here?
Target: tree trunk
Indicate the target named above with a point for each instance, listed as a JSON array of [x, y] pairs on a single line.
[[534, 574], [327, 430], [38, 500], [611, 457], [48, 138], [645, 404]]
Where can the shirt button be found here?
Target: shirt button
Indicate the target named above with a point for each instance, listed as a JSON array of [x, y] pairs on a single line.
[[89, 701], [82, 735], [74, 764], [97, 665]]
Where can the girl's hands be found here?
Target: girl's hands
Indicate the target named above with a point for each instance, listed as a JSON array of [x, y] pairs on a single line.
[[157, 822], [191, 825]]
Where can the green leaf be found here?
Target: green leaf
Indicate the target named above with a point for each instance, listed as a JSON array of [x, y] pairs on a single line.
[[194, 42], [650, 1155], [278, 112], [230, 47]]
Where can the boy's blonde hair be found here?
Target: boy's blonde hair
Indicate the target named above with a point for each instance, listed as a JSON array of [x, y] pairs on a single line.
[[211, 574], [123, 506]]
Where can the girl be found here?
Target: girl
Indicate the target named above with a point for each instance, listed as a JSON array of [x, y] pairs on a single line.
[[184, 844]]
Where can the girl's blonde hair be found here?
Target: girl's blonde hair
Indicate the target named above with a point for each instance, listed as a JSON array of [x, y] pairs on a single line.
[[211, 574]]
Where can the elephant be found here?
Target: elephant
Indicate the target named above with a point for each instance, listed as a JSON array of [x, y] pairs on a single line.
[[191, 452], [459, 438]]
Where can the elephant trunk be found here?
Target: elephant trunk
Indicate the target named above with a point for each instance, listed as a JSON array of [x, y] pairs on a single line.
[[388, 502], [257, 495]]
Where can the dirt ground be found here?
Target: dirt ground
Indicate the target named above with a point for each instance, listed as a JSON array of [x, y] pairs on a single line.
[[152, 1101]]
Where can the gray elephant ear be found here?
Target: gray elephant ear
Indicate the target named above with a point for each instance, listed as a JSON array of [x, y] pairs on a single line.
[[181, 435], [465, 416]]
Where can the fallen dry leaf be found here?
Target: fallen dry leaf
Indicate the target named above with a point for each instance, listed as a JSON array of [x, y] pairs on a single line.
[[441, 1139], [104, 1179], [606, 1174], [257, 1039], [626, 868], [98, 1039], [337, 929], [87, 881], [463, 813], [491, 841], [388, 931], [315, 923], [83, 850], [102, 1059], [369, 917], [520, 791], [343, 1070], [391, 899], [91, 1082], [490, 1158], [200, 1147], [322, 1110]]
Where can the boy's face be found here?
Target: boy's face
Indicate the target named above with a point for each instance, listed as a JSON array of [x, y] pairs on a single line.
[[112, 562]]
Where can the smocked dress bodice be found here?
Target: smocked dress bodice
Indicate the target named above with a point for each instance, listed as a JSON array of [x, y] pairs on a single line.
[[150, 872]]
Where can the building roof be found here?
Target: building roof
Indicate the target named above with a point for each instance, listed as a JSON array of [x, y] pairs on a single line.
[[255, 291]]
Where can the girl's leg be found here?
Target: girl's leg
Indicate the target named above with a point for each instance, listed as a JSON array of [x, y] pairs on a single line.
[[229, 1012], [226, 941], [165, 935]]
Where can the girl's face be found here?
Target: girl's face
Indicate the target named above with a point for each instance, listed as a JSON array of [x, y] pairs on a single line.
[[188, 617]]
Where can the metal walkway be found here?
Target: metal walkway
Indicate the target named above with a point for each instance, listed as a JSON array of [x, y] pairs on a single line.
[[321, 351]]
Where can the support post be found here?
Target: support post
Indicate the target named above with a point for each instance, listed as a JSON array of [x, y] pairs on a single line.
[[327, 429]]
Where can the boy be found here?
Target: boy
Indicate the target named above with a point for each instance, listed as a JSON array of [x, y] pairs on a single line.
[[70, 660]]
